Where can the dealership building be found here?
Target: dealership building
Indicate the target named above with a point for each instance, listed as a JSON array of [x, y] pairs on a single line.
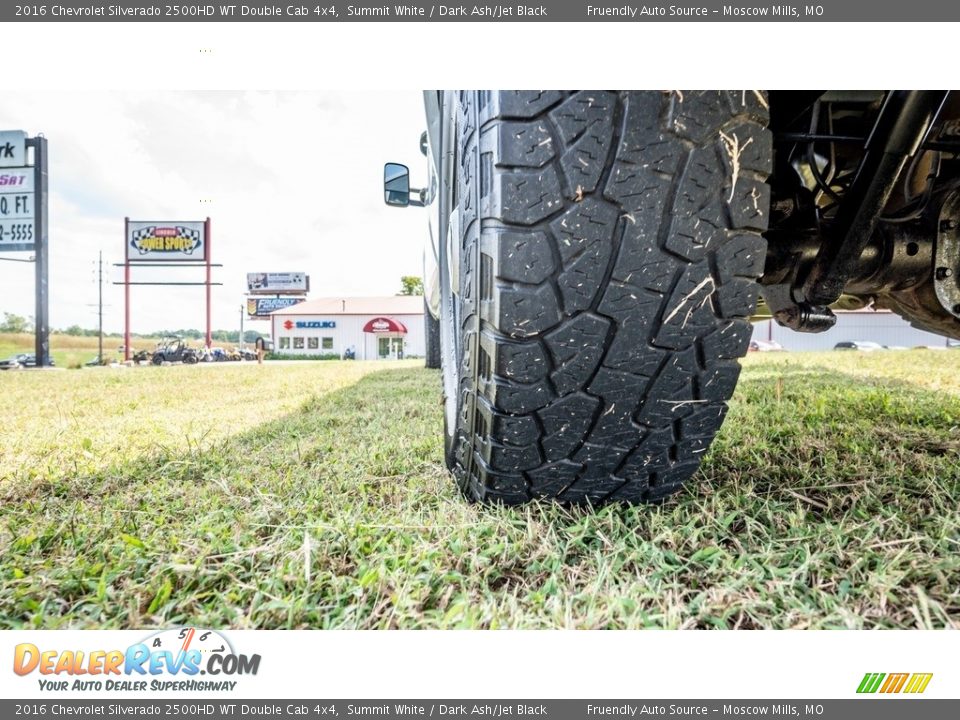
[[376, 328]]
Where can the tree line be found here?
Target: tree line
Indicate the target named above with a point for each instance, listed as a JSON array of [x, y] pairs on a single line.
[[13, 323]]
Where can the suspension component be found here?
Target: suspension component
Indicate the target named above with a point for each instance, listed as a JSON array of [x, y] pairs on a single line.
[[806, 318], [946, 276], [897, 258], [903, 124]]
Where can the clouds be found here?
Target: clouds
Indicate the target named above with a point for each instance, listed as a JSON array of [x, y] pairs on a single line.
[[292, 181]]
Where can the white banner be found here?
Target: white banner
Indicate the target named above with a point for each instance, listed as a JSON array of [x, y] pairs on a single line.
[[517, 664]]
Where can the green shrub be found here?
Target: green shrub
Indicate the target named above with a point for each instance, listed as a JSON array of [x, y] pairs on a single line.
[[285, 356]]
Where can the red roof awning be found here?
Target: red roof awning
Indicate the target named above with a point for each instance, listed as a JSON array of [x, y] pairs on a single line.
[[384, 325]]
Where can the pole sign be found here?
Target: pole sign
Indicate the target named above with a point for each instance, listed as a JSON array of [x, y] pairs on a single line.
[[170, 242], [24, 219], [173, 240], [18, 223], [262, 307], [277, 283]]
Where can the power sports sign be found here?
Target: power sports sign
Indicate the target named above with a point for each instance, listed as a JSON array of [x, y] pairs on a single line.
[[178, 241]]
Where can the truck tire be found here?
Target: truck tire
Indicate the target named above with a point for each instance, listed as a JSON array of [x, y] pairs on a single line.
[[431, 329], [609, 247]]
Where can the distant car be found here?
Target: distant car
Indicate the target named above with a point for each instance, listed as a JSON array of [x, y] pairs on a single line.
[[21, 360], [861, 345], [766, 346], [10, 363]]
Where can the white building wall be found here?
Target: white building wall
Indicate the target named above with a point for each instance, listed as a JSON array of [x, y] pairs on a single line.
[[885, 328], [347, 333]]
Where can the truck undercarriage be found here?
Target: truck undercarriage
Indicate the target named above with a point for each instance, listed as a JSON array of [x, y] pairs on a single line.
[[864, 207]]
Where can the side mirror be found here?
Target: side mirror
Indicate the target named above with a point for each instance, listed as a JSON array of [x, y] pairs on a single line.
[[396, 185]]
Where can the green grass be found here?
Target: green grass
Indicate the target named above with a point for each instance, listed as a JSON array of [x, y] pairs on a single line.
[[70, 350], [313, 495]]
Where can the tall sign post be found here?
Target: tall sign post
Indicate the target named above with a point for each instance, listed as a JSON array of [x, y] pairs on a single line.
[[126, 290], [167, 243], [41, 320], [23, 220], [206, 229], [100, 307]]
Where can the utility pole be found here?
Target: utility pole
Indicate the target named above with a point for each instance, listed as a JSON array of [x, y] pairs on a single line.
[[98, 278], [100, 308], [242, 309]]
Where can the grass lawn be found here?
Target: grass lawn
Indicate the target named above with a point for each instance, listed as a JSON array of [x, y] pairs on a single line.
[[313, 495], [71, 350]]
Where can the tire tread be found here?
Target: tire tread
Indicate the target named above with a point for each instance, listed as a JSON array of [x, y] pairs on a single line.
[[608, 267]]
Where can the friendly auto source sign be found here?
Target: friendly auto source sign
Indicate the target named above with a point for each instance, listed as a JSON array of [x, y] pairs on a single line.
[[262, 307], [176, 240], [17, 199], [272, 283]]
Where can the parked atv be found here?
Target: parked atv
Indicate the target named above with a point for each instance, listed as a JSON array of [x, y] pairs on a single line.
[[173, 349], [141, 356], [602, 254]]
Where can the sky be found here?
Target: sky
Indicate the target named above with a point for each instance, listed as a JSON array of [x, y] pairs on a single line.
[[291, 182]]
